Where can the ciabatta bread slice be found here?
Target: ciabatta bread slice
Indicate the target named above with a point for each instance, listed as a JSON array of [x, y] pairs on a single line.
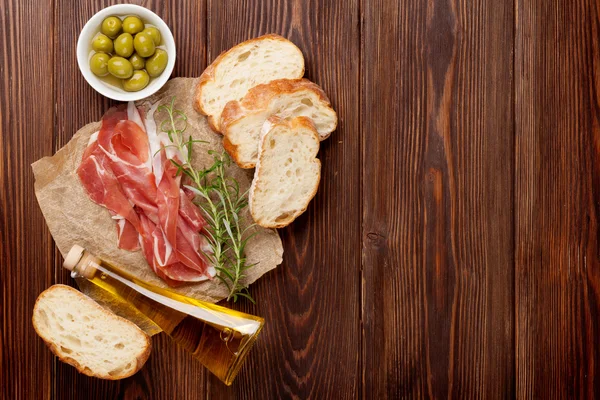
[[82, 333], [244, 66], [242, 121], [287, 172]]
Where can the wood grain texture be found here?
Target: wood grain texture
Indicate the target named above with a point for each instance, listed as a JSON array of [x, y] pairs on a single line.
[[25, 246], [557, 200], [310, 346], [437, 193]]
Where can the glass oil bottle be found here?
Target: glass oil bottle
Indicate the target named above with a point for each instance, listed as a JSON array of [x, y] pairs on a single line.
[[218, 337]]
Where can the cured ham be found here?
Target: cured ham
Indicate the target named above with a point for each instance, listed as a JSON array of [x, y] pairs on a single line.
[[103, 188], [127, 168]]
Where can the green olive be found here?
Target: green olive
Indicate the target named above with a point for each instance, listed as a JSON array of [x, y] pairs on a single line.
[[133, 25], [102, 43], [124, 45], [137, 82], [99, 64], [137, 61], [156, 64], [120, 67], [111, 27], [154, 34], [144, 45]]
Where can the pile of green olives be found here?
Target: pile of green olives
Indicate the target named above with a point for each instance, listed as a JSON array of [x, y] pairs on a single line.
[[128, 50]]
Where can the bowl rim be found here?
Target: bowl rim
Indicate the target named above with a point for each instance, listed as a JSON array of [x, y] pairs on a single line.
[[83, 53]]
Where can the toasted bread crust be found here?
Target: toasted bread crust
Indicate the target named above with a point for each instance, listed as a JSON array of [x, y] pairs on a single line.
[[209, 76], [231, 149], [271, 123], [260, 96], [140, 360]]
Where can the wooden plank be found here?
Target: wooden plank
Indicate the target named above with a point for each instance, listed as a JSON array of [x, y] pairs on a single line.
[[557, 199], [26, 124], [437, 199], [310, 346], [170, 373]]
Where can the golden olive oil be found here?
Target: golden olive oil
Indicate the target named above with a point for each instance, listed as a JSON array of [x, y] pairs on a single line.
[[217, 336]]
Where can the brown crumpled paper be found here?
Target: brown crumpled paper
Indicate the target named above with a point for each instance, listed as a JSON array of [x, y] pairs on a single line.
[[74, 219]]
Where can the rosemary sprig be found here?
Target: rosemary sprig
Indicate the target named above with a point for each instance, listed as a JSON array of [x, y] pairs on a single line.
[[221, 203]]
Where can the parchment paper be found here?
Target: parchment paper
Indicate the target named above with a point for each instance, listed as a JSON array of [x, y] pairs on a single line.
[[74, 219]]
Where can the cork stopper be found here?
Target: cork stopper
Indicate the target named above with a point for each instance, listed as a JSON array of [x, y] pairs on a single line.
[[73, 257], [80, 261]]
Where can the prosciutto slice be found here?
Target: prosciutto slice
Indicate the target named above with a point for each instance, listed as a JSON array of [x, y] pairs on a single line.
[[127, 168], [103, 188], [167, 198]]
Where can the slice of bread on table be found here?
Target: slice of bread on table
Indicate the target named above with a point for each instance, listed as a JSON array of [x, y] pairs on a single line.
[[92, 339], [287, 171], [244, 66], [242, 121]]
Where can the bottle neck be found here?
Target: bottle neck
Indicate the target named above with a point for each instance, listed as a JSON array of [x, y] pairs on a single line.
[[87, 266]]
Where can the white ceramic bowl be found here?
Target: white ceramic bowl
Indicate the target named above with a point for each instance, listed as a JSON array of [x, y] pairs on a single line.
[[92, 27]]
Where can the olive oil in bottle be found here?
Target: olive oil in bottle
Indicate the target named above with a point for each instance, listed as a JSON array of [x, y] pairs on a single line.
[[217, 336]]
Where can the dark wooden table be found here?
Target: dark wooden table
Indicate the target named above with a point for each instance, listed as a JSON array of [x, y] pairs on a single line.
[[452, 249]]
